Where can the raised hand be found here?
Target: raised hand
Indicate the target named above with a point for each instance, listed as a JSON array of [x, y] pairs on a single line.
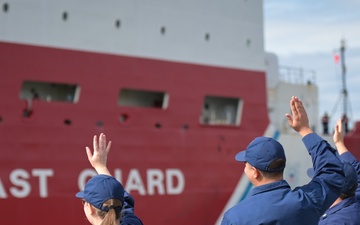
[[98, 158], [298, 120], [338, 137]]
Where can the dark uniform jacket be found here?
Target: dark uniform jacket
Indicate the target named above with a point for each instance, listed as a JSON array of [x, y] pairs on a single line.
[[276, 204]]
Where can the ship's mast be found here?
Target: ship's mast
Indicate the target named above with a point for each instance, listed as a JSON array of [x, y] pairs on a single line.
[[343, 73], [344, 93]]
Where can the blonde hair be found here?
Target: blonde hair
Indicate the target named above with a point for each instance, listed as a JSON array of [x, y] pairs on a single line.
[[113, 215]]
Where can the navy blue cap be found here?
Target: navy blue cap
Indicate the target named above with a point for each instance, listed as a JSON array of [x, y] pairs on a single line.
[[350, 177], [101, 188], [261, 152]]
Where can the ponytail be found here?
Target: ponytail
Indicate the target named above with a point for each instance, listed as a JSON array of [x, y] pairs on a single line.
[[113, 215]]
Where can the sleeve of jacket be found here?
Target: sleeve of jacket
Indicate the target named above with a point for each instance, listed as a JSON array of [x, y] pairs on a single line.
[[130, 219], [350, 158], [128, 215], [129, 203], [325, 187], [225, 221]]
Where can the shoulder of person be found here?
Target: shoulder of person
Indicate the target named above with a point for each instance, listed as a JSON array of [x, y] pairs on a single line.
[[131, 219]]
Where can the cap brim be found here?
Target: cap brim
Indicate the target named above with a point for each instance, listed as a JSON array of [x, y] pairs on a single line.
[[80, 194], [241, 156]]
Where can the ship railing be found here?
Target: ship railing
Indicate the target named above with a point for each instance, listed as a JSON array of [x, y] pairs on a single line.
[[297, 75]]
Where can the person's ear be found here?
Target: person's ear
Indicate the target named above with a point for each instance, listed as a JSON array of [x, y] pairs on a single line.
[[92, 208], [256, 173], [89, 208]]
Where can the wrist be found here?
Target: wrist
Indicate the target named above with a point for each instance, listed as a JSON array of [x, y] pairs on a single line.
[[305, 131], [100, 169], [340, 147]]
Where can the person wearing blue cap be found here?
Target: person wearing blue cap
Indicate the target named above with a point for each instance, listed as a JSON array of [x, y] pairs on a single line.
[[98, 160], [346, 208], [272, 201], [103, 199]]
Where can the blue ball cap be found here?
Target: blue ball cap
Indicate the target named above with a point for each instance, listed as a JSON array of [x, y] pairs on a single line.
[[101, 188], [261, 152]]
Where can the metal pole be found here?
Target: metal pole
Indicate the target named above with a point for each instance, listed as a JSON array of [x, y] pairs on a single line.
[[344, 91]]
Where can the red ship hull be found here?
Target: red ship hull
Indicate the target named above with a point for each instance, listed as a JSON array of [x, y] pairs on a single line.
[[43, 160]]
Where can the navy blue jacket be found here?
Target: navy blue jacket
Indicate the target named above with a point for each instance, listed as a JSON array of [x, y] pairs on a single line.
[[128, 215], [276, 204], [347, 212]]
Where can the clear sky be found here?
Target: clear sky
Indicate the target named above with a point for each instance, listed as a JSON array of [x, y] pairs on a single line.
[[306, 33]]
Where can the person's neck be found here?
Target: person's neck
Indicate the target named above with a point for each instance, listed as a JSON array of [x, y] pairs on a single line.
[[337, 201], [95, 220], [266, 181]]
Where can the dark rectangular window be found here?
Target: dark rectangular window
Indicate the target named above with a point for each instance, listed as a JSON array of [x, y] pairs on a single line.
[[142, 98], [221, 111], [50, 91]]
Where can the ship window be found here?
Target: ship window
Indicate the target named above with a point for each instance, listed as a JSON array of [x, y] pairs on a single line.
[[140, 98], [49, 92], [220, 111]]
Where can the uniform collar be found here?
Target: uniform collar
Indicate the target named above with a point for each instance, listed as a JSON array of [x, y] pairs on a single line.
[[344, 203], [270, 186]]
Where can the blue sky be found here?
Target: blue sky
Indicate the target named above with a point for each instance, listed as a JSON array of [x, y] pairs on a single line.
[[305, 33]]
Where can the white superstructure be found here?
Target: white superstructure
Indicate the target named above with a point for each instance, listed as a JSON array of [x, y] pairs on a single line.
[[206, 33]]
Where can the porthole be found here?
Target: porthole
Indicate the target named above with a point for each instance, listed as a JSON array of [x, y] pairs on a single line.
[[207, 37], [162, 30], [67, 122], [117, 23], [65, 16], [5, 7]]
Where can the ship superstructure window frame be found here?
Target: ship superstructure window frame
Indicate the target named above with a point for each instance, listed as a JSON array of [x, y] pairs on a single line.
[[50, 91], [143, 98], [218, 110]]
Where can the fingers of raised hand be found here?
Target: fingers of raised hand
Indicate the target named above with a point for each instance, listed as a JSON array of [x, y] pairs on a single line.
[[295, 107], [95, 143], [108, 147], [89, 153], [339, 123], [102, 141], [298, 105], [289, 118], [100, 144]]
